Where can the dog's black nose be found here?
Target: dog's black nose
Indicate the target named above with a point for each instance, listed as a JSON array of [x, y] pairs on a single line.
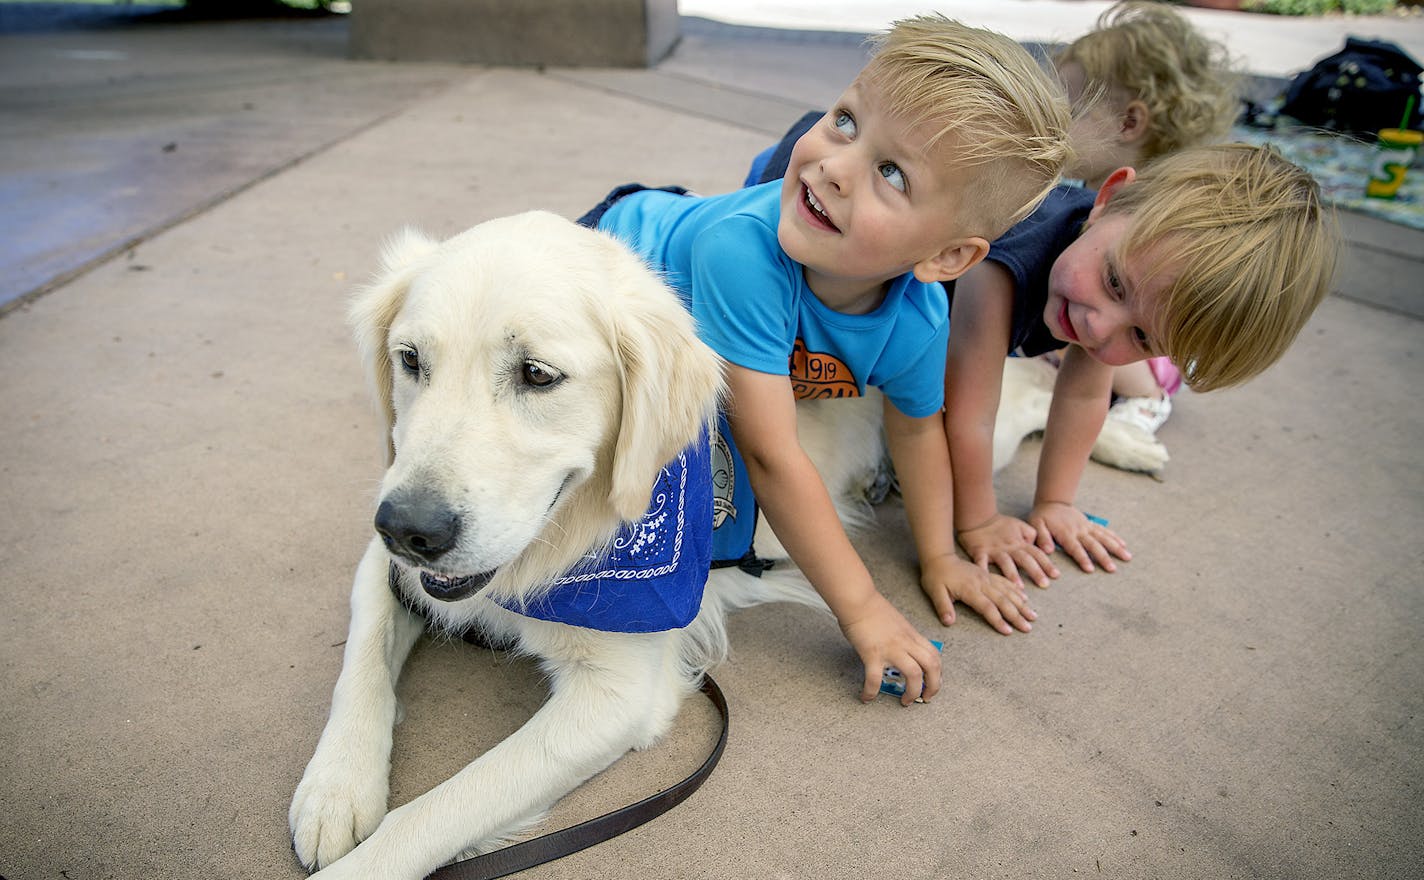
[[417, 528]]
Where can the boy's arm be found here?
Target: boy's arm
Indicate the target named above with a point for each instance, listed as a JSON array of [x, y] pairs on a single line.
[[789, 490], [978, 340], [1080, 404], [921, 456]]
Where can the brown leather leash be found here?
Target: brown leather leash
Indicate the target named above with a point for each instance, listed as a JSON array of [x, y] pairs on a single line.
[[557, 844]]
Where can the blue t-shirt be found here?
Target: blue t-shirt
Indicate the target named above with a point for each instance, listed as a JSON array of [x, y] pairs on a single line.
[[1027, 251], [753, 307]]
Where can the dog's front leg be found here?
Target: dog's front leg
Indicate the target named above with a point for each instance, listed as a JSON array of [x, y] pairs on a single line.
[[342, 795], [594, 714]]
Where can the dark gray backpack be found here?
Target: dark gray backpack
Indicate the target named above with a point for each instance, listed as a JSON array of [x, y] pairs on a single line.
[[1359, 90]]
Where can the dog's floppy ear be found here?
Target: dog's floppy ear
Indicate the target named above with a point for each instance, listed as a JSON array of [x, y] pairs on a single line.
[[671, 383], [375, 307]]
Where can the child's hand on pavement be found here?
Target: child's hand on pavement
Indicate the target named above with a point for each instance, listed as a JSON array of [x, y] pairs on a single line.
[[1001, 602], [1082, 539], [1009, 544], [883, 637]]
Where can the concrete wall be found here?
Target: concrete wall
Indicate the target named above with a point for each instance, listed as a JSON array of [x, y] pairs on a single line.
[[565, 33]]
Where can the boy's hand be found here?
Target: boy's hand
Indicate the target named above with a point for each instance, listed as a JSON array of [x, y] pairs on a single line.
[[883, 637], [1009, 543], [1081, 538], [1001, 602]]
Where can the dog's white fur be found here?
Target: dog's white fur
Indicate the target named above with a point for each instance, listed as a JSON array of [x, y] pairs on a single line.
[[539, 477], [1023, 410]]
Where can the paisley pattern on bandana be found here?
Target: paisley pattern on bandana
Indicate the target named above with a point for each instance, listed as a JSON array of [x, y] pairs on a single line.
[[652, 578]]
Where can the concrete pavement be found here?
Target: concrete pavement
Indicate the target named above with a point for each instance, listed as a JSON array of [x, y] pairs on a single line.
[[191, 455]]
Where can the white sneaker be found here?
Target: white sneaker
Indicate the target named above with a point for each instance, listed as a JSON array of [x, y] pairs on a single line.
[[1147, 413]]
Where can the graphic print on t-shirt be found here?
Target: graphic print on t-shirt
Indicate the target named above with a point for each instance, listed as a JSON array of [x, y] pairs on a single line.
[[724, 481], [816, 375]]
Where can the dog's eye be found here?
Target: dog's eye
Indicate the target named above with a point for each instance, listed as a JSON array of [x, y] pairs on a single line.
[[410, 360], [539, 375]]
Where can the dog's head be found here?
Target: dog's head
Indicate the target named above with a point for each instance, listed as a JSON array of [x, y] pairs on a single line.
[[536, 376]]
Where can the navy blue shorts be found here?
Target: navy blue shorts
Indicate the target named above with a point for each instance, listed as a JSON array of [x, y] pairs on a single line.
[[595, 214]]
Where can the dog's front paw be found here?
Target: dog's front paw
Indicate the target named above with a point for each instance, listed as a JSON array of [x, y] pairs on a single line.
[[1129, 447], [336, 807], [346, 869]]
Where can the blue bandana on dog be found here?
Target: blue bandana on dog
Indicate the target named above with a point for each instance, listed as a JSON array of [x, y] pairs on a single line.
[[653, 576]]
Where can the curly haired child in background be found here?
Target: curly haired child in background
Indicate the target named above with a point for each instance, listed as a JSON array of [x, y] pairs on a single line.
[[1145, 83]]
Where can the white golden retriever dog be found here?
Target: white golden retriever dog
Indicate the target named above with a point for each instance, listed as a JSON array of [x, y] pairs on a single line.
[[538, 379]]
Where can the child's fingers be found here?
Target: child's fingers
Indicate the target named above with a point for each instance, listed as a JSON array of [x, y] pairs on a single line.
[[1043, 536], [1045, 559], [989, 610], [1016, 610], [943, 603], [1003, 608], [1049, 567], [1004, 561], [1100, 554], [1095, 545], [1020, 618], [932, 674], [1036, 566], [1013, 610], [874, 674], [914, 684], [919, 669], [1115, 544], [1078, 553]]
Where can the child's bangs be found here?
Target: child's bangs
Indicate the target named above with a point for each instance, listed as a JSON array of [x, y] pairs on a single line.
[[1253, 251]]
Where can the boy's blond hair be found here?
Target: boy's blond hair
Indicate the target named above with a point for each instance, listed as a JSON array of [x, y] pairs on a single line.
[[1154, 55], [1005, 114], [1252, 249]]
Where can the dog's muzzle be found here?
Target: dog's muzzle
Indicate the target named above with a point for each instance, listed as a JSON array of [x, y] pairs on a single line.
[[454, 589], [419, 529]]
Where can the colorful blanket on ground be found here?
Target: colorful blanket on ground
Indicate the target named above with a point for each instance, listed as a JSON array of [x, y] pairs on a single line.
[[1342, 165]]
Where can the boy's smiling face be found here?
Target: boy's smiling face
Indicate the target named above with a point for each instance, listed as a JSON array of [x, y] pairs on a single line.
[[863, 201], [1102, 298]]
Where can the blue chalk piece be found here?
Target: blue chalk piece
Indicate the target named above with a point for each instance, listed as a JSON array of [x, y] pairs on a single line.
[[893, 688], [893, 682]]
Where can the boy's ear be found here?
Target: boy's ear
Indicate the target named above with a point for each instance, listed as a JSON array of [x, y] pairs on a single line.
[[1116, 181], [953, 261], [1134, 123]]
